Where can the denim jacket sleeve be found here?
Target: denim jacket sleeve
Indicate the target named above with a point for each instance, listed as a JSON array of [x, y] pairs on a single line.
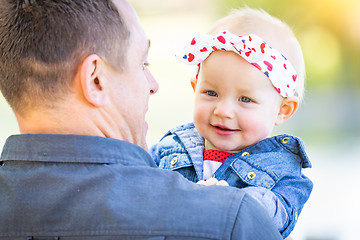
[[274, 164]]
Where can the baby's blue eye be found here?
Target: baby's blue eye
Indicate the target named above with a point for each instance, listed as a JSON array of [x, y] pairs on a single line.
[[245, 99], [211, 93]]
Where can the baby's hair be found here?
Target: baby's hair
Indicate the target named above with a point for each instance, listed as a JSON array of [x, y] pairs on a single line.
[[246, 20]]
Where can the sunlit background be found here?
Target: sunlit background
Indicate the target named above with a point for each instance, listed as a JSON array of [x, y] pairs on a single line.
[[328, 120]]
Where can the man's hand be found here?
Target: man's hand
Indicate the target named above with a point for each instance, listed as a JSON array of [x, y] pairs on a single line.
[[213, 181]]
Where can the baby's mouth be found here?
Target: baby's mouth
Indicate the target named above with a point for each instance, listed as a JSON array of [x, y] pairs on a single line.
[[223, 128]]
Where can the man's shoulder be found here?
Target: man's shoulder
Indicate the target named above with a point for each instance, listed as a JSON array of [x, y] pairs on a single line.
[[201, 211]]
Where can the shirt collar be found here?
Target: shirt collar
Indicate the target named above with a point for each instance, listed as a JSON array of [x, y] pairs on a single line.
[[73, 148]]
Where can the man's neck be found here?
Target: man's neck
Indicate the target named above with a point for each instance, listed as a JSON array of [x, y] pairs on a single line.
[[50, 122]]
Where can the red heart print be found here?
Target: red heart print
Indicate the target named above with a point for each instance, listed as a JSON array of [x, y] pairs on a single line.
[[193, 42], [262, 46], [256, 65], [248, 53], [269, 65], [204, 49], [240, 52], [250, 39], [285, 66], [278, 90], [214, 48], [221, 39], [273, 57], [288, 86], [294, 77], [191, 57]]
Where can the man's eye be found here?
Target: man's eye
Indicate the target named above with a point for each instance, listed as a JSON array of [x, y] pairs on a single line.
[[211, 93], [145, 65], [245, 99]]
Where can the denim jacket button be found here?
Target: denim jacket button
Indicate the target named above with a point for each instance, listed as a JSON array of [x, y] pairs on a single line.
[[285, 140], [245, 154], [251, 175], [174, 161]]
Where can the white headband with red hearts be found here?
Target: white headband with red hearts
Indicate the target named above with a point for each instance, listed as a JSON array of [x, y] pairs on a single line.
[[253, 49]]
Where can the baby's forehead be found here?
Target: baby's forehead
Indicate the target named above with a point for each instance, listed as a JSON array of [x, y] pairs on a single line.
[[228, 68]]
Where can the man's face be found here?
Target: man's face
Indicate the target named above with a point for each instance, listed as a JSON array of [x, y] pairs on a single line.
[[131, 88]]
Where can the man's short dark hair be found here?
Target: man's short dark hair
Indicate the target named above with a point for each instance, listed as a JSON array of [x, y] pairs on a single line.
[[42, 43]]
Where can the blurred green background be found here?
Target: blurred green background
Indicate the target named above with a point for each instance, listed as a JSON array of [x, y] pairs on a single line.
[[328, 120]]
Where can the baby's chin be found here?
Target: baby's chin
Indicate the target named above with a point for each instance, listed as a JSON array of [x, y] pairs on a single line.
[[224, 147]]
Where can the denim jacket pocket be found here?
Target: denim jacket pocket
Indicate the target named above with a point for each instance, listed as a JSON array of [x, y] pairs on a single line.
[[174, 160], [254, 176]]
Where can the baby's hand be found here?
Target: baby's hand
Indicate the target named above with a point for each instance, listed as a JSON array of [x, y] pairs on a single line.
[[213, 181]]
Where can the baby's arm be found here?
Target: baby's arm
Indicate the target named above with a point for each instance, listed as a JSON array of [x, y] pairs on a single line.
[[284, 201], [268, 199]]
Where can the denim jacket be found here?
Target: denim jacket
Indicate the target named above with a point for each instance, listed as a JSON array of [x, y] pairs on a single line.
[[269, 170]]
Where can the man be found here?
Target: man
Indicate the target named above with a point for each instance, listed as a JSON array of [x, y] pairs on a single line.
[[74, 72]]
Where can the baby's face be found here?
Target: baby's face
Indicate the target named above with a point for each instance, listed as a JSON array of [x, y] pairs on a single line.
[[235, 103]]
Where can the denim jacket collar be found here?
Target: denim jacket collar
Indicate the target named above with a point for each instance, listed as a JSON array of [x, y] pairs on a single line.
[[192, 141]]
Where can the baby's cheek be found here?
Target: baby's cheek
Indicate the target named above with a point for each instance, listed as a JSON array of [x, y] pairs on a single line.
[[254, 124], [200, 113]]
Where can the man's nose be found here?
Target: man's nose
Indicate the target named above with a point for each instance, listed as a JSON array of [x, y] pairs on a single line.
[[154, 86]]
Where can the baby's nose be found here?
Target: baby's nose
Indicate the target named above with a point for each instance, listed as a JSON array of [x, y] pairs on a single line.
[[224, 109]]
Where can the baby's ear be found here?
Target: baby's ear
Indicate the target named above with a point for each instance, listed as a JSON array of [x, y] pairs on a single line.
[[288, 107], [193, 82]]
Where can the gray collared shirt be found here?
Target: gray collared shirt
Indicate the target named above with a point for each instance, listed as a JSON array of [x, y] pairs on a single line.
[[85, 187]]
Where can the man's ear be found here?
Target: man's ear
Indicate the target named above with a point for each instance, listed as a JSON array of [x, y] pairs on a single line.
[[193, 82], [288, 107], [91, 82]]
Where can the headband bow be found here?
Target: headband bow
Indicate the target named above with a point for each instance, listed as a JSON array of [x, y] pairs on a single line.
[[253, 49]]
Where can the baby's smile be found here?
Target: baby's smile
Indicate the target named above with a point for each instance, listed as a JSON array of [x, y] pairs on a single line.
[[223, 130]]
